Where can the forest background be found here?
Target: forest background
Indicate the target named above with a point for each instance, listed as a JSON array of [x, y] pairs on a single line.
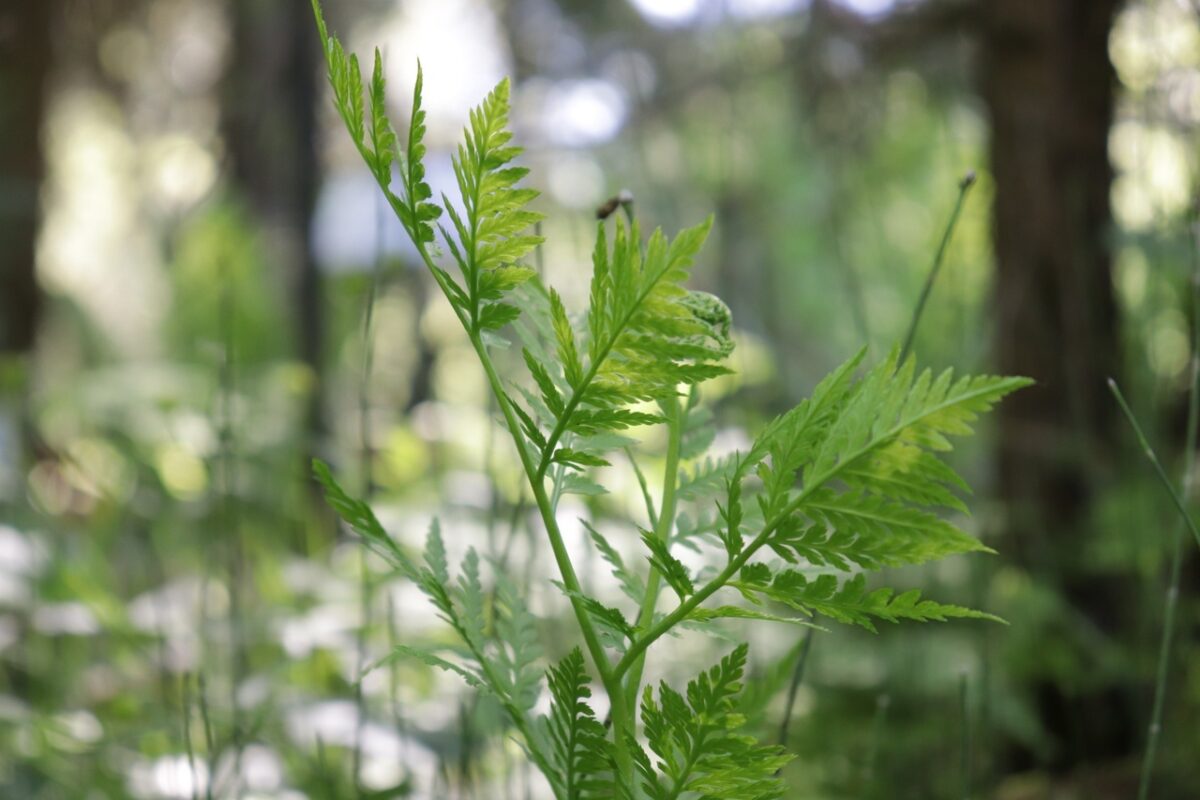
[[189, 242]]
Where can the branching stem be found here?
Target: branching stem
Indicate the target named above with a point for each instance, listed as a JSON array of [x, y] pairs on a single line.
[[676, 417], [685, 608]]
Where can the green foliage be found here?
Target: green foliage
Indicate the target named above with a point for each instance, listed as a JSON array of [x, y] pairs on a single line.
[[580, 753], [851, 480], [699, 745]]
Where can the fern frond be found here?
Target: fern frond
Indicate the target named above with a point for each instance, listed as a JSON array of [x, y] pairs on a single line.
[[359, 516], [580, 753], [849, 602], [698, 743], [631, 583], [646, 335], [869, 531], [489, 237], [471, 675], [375, 138], [671, 569], [520, 650]]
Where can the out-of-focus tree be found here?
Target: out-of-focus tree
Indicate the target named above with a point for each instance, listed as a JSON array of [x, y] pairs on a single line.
[[1050, 91], [25, 61], [269, 126]]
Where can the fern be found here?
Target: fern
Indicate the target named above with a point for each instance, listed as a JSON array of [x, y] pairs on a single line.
[[698, 742], [581, 755], [851, 481]]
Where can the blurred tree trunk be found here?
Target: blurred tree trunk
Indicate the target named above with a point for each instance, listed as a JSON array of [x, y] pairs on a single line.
[[25, 63], [24, 67], [1049, 86], [269, 121]]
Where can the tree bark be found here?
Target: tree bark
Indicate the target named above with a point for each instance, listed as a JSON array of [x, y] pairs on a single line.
[[269, 121], [24, 67], [1049, 86]]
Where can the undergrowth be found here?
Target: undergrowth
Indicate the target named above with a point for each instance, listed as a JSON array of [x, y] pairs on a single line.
[[847, 483]]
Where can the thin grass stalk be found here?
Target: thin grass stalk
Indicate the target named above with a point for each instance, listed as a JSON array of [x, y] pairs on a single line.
[[1176, 500], [1166, 642], [367, 467], [209, 740], [882, 702], [188, 747], [964, 186], [229, 514], [794, 687], [964, 742]]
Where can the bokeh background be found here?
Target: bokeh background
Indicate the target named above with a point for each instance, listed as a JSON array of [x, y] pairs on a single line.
[[188, 243]]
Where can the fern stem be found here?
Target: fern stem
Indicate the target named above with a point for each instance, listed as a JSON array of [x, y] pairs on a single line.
[[676, 418], [964, 186], [622, 724], [686, 607], [1166, 642]]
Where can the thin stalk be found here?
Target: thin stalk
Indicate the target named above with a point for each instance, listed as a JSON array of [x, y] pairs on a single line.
[[964, 749], [794, 687], [675, 419], [187, 735], [651, 513], [964, 186], [229, 513], [209, 741], [1166, 642], [881, 707], [366, 453], [1150, 454]]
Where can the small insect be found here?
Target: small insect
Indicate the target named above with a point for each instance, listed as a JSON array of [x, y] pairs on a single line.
[[622, 199]]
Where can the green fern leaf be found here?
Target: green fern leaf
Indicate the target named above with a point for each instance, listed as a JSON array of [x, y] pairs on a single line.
[[490, 230], [631, 583], [867, 530], [520, 650], [359, 516], [671, 569], [581, 755], [849, 602], [400, 651], [698, 743]]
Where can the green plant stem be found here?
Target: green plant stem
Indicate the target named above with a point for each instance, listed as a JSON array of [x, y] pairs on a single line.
[[881, 706], [964, 186], [964, 749], [1166, 642], [681, 611], [621, 723], [676, 418], [187, 735], [368, 479], [1150, 454], [794, 686], [562, 558]]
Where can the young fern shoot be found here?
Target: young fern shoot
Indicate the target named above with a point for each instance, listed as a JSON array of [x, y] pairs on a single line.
[[848, 482]]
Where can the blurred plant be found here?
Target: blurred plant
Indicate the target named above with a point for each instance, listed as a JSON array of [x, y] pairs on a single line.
[[846, 482]]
